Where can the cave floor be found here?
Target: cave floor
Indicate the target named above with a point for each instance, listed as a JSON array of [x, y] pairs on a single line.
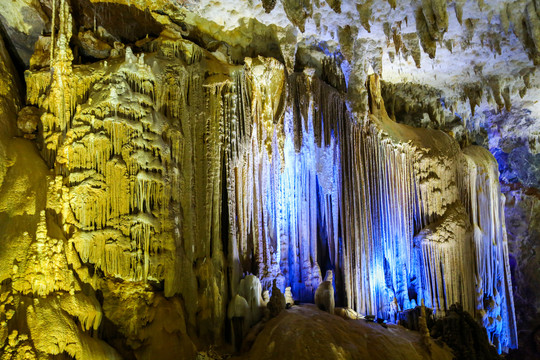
[[305, 332]]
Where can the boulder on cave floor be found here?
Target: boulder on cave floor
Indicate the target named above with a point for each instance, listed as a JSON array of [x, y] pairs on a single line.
[[305, 332]]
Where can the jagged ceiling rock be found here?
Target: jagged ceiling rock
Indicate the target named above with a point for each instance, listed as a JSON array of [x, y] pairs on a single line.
[[477, 53], [450, 46]]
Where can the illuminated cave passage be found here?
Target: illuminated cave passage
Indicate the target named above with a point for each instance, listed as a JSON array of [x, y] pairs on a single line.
[[175, 186]]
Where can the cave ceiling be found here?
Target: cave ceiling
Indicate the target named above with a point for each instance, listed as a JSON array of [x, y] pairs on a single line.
[[470, 56]]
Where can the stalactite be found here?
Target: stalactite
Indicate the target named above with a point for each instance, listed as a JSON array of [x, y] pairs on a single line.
[[447, 263], [286, 204], [480, 192], [157, 152], [407, 232], [117, 162]]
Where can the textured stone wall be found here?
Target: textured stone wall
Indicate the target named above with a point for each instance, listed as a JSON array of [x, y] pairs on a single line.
[[155, 166]]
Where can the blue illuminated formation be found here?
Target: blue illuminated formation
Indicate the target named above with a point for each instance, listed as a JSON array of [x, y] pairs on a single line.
[[302, 211], [399, 214]]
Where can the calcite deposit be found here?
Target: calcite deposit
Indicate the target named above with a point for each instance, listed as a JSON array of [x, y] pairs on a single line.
[[168, 169]]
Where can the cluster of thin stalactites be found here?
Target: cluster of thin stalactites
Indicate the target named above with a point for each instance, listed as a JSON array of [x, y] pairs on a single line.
[[150, 149]]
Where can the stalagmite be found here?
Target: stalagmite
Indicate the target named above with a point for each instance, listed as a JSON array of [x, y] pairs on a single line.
[[250, 289], [324, 295], [238, 313]]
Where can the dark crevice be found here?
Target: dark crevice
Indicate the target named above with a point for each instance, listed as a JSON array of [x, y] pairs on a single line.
[[111, 334], [126, 23], [224, 210], [17, 61]]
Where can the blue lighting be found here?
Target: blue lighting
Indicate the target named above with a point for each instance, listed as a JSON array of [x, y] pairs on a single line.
[[388, 263]]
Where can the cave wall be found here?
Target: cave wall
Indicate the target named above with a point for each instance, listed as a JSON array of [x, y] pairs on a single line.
[[174, 167]]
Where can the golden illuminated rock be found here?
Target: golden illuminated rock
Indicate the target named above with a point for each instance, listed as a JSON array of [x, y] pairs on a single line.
[[168, 161]]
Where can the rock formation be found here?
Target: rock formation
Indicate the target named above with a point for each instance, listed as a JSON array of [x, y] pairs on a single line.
[[250, 289], [324, 295], [154, 153], [464, 335], [277, 301], [238, 313], [289, 300]]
